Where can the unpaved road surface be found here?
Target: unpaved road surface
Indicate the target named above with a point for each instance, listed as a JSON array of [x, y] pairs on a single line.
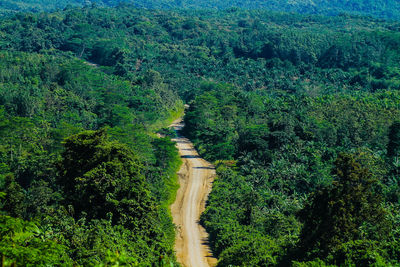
[[195, 179]]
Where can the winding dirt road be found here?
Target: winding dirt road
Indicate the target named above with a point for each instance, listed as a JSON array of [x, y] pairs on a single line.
[[195, 179]]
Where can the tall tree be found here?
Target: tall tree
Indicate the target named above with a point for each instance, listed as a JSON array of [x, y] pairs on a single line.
[[345, 211], [102, 178], [393, 148], [14, 197]]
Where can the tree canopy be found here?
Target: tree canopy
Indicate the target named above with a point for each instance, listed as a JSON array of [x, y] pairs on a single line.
[[299, 112]]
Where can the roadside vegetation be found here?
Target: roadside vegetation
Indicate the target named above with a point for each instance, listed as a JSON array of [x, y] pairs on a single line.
[[300, 113]]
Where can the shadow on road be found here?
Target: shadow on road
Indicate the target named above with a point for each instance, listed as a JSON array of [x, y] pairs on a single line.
[[204, 168], [190, 157]]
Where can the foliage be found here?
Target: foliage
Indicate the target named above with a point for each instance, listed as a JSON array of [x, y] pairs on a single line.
[[92, 220], [253, 251], [14, 202], [250, 48], [360, 253], [284, 147], [102, 178], [382, 8], [275, 99], [349, 210], [23, 243], [393, 149]]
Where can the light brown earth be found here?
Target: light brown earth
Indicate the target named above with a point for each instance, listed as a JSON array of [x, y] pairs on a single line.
[[195, 178]]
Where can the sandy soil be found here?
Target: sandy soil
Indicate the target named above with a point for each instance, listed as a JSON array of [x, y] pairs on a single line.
[[195, 178]]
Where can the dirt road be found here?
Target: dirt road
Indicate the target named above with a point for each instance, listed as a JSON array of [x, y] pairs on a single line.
[[195, 178]]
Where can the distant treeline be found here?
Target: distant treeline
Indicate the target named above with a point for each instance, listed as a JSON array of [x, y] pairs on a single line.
[[389, 9]]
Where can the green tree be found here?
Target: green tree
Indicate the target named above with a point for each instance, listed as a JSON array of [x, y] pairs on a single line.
[[102, 178], [393, 148], [22, 243], [14, 197], [347, 210], [359, 253], [252, 250]]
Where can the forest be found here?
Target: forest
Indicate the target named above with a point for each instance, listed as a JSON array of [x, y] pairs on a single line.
[[307, 180], [388, 9], [83, 180], [299, 112]]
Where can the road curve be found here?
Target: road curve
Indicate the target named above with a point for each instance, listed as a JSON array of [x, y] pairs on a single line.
[[195, 179]]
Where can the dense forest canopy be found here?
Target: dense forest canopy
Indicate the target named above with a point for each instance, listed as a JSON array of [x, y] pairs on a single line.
[[300, 113], [83, 200], [252, 49], [377, 8], [281, 163]]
